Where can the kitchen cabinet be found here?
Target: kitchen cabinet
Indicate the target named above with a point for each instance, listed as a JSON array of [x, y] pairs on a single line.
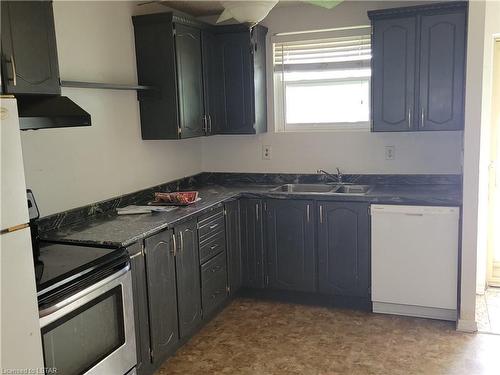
[[442, 71], [291, 257], [233, 246], [252, 243], [344, 249], [29, 53], [163, 304], [243, 62], [393, 74], [212, 81], [141, 310], [188, 278], [169, 57], [418, 67], [189, 80]]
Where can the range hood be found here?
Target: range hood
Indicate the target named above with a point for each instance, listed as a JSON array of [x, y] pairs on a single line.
[[50, 111]]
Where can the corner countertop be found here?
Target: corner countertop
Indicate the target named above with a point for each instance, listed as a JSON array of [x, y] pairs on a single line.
[[112, 230]]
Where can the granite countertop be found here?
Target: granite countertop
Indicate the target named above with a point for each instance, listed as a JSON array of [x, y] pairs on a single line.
[[110, 229]]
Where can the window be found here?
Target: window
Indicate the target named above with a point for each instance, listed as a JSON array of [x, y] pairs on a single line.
[[323, 84]]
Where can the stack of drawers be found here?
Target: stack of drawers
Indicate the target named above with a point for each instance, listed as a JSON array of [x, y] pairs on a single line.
[[212, 245]]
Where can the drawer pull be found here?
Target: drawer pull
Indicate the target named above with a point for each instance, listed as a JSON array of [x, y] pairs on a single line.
[[213, 226], [213, 247]]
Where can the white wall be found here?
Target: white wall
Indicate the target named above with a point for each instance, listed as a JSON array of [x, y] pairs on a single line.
[[484, 25], [353, 152], [70, 167]]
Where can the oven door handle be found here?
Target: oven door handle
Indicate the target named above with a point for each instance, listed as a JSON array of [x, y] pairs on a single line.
[[61, 304]]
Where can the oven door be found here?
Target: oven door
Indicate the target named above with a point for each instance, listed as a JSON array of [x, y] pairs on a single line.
[[92, 331]]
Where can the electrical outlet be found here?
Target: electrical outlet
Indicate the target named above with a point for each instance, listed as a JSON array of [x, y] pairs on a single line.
[[266, 152], [390, 152]]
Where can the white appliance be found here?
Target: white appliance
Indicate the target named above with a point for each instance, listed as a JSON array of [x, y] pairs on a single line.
[[21, 346], [415, 260]]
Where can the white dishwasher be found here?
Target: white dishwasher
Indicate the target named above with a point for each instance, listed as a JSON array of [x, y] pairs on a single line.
[[415, 260]]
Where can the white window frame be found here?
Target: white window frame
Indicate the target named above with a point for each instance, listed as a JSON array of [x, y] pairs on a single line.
[[280, 124]]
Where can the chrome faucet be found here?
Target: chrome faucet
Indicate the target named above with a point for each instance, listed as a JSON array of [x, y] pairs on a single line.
[[337, 178]]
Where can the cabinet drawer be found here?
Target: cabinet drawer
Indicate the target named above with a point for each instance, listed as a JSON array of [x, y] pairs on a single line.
[[213, 268], [212, 246], [214, 292], [210, 224]]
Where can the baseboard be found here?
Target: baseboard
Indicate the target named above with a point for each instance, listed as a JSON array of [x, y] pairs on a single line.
[[464, 325], [416, 311]]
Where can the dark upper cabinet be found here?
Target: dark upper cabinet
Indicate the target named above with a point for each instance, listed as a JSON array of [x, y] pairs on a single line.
[[169, 57], [188, 278], [418, 67], [442, 71], [189, 80], [29, 53], [162, 300], [252, 243], [393, 74], [233, 246], [290, 245], [243, 89], [141, 311], [344, 249], [212, 81]]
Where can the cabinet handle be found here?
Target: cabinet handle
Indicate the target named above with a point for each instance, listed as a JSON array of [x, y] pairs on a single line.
[[213, 226], [409, 117], [308, 213], [257, 211], [13, 64], [174, 245], [209, 124], [422, 124], [182, 242], [204, 124], [213, 247], [321, 214]]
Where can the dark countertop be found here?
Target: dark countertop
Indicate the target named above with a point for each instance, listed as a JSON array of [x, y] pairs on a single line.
[[114, 230]]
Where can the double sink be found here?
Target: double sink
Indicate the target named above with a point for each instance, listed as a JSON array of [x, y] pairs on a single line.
[[324, 189]]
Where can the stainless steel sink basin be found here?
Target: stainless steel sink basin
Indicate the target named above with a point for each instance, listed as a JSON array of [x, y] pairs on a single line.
[[305, 188], [352, 189]]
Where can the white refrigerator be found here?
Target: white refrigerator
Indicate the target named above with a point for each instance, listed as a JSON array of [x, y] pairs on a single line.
[[21, 346]]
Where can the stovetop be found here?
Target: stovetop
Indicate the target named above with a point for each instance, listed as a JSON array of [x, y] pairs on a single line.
[[61, 269]]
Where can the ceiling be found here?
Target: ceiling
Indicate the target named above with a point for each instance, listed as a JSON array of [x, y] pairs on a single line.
[[202, 8]]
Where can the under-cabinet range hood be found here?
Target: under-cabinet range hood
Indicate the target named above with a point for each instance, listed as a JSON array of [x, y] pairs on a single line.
[[50, 111]]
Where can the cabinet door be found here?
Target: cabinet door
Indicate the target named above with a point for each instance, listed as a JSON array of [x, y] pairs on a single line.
[[160, 270], [252, 245], [188, 278], [233, 247], [442, 71], [189, 80], [393, 74], [29, 54], [344, 249], [290, 245], [141, 320], [238, 93], [212, 79]]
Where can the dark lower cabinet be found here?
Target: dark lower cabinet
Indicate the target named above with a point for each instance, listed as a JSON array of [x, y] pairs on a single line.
[[344, 249], [291, 257], [188, 278], [161, 284], [29, 54], [252, 243], [233, 246], [141, 310]]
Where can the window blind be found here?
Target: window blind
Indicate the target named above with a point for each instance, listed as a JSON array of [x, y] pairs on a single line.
[[338, 53]]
